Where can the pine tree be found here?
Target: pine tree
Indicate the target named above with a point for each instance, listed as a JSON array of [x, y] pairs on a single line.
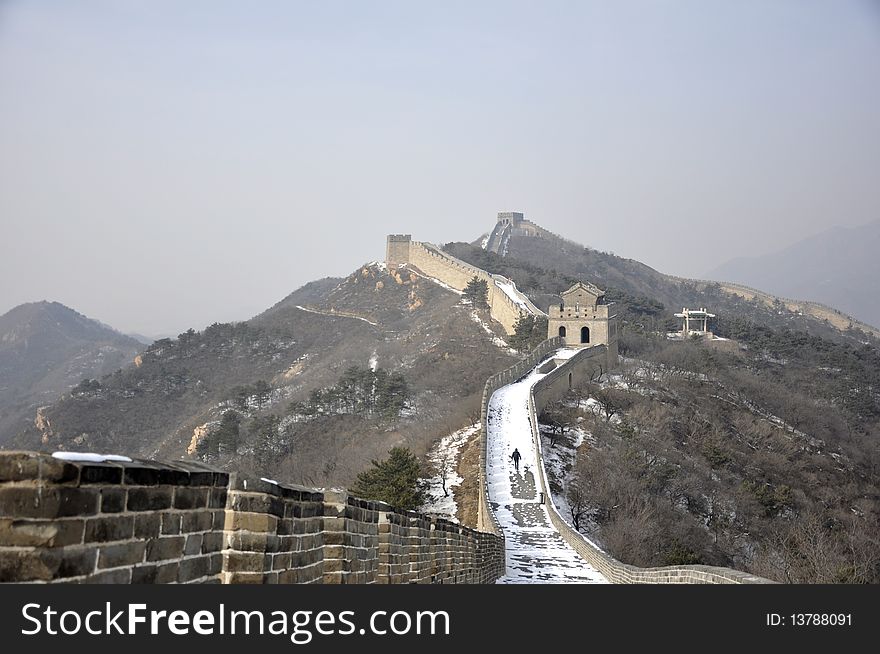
[[477, 291], [227, 436], [263, 392], [529, 331], [522, 332], [395, 481], [263, 432]]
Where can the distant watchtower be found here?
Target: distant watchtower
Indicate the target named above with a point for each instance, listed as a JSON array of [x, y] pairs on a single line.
[[584, 319], [512, 218], [397, 250]]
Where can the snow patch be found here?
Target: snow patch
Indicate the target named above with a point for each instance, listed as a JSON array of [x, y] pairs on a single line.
[[437, 281], [443, 457], [89, 457], [334, 314], [492, 335], [510, 290], [559, 462]]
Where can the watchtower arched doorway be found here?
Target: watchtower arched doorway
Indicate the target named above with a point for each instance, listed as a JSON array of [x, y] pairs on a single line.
[[585, 334], [562, 331], [569, 381]]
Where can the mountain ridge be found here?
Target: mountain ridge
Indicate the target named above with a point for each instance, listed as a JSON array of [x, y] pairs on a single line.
[[555, 253], [835, 267], [45, 349]]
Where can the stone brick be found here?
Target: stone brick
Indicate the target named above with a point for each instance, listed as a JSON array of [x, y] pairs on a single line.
[[75, 561], [149, 499], [112, 500], [335, 565], [334, 551], [168, 547], [250, 521], [40, 533], [244, 561], [96, 473], [27, 466], [154, 574], [144, 574], [193, 568], [112, 528], [256, 503], [190, 498], [221, 479], [193, 544], [171, 523], [244, 578], [201, 478], [140, 474], [118, 576], [215, 563], [47, 502], [212, 541], [46, 564], [217, 498], [114, 556], [147, 525], [196, 521]]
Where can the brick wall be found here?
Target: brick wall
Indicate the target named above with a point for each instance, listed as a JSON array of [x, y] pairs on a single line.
[[149, 522], [456, 273]]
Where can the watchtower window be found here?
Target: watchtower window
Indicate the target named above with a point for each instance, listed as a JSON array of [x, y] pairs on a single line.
[[562, 331], [585, 334]]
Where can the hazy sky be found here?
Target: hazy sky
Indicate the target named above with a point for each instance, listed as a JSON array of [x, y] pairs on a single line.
[[171, 164]]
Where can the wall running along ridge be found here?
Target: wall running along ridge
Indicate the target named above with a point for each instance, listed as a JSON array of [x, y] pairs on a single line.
[[434, 262], [149, 522], [835, 317]]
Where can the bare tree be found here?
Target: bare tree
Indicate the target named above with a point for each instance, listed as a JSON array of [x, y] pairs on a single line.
[[577, 503], [445, 467], [611, 401]]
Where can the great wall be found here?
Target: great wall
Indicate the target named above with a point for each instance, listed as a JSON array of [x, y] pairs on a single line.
[[124, 521], [506, 302]]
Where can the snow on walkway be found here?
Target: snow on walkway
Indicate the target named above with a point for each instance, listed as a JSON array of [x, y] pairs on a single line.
[[336, 314], [511, 291], [536, 552]]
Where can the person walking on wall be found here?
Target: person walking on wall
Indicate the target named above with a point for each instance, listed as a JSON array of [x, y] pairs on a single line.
[[516, 456]]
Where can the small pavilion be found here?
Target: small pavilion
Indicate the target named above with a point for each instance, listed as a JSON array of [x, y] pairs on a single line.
[[695, 322]]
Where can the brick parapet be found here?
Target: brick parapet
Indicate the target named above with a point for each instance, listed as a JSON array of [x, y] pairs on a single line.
[[184, 522]]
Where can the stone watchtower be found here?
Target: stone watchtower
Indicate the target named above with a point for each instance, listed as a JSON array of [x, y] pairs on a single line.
[[512, 218], [397, 250], [584, 319]]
